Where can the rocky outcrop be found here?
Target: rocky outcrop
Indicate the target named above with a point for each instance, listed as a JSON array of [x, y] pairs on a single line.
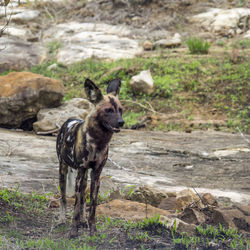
[[238, 217], [142, 83], [185, 198], [17, 54], [23, 94], [129, 210], [224, 22], [50, 120], [84, 40]]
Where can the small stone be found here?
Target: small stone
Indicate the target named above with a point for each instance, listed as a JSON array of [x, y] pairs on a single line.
[[52, 66], [208, 199], [171, 42], [192, 216], [147, 194], [142, 83], [147, 45]]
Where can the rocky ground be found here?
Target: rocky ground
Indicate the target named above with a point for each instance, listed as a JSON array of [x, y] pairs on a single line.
[[209, 161]]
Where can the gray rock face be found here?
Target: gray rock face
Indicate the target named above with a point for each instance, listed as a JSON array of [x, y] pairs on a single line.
[[224, 22], [17, 54], [23, 94], [50, 120], [142, 83], [85, 40], [151, 158]]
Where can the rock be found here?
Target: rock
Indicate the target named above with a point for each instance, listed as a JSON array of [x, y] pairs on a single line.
[[142, 83], [129, 210], [148, 194], [21, 32], [108, 187], [247, 34], [169, 204], [18, 55], [147, 45], [25, 15], [192, 216], [179, 225], [235, 218], [208, 199], [51, 119], [221, 21], [23, 94], [84, 40], [184, 198], [187, 198], [174, 41], [52, 66]]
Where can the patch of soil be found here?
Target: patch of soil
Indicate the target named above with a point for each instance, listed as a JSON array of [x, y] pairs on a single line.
[[26, 226]]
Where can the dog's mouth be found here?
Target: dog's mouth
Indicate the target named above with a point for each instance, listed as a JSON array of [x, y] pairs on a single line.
[[111, 129]]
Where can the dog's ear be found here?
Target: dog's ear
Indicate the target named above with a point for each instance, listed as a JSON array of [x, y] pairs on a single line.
[[93, 93], [114, 87]]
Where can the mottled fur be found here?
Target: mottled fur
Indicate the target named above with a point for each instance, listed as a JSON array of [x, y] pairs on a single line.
[[83, 145]]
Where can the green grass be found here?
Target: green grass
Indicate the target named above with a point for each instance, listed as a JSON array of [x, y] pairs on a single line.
[[198, 46], [182, 83]]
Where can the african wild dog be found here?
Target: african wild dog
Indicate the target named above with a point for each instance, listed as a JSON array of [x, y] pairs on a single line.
[[84, 144]]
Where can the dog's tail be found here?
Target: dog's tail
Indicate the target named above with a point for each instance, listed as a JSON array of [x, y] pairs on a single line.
[[70, 186]]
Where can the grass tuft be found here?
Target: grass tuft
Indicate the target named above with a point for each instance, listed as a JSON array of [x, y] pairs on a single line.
[[198, 46]]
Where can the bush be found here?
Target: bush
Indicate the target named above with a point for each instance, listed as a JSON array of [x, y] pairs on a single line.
[[198, 46]]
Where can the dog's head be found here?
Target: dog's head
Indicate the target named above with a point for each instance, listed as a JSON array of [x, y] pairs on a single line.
[[108, 107]]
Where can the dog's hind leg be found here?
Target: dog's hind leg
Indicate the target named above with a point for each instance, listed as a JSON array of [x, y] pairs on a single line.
[[81, 184], [63, 171]]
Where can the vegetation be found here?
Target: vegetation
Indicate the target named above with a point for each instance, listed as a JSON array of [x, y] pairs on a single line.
[[198, 46], [213, 88], [22, 229]]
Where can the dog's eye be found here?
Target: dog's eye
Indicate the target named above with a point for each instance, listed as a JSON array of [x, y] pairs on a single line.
[[109, 110]]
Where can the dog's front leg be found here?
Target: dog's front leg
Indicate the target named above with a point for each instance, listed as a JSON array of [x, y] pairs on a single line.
[[81, 183], [94, 188], [83, 201], [63, 171]]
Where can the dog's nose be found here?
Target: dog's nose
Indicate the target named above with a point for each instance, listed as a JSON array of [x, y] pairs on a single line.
[[121, 122]]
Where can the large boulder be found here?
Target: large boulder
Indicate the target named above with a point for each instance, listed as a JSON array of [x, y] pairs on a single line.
[[49, 120], [223, 22], [23, 94]]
